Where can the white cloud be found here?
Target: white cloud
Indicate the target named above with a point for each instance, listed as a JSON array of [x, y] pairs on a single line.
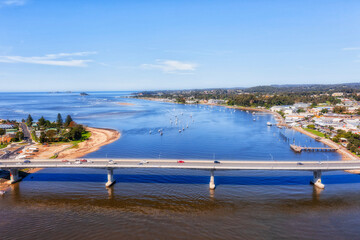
[[171, 66], [14, 2], [351, 49], [59, 59]]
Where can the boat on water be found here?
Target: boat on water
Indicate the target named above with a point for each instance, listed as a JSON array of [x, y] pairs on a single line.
[[269, 124], [179, 130]]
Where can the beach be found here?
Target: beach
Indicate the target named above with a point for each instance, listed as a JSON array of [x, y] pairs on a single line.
[[99, 137]]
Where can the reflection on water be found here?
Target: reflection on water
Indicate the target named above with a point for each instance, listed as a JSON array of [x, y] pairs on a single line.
[[163, 204]]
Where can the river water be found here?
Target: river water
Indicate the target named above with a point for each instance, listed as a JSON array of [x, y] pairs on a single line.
[[176, 204]]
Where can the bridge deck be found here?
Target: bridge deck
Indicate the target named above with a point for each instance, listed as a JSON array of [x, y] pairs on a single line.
[[187, 164]]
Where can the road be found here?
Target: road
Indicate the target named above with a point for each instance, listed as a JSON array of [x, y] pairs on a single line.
[[27, 135], [187, 164]]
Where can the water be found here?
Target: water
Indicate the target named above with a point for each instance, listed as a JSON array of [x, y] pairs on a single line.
[[163, 204]]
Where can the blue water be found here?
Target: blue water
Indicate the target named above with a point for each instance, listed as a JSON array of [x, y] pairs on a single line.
[[163, 203]]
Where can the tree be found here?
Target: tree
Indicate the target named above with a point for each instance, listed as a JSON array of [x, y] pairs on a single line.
[[339, 109], [68, 120], [59, 120], [311, 126], [2, 131], [42, 121], [42, 137], [50, 134], [324, 110], [300, 110], [19, 136], [29, 120]]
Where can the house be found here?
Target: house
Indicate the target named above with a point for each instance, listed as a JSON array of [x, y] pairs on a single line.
[[337, 94], [6, 126]]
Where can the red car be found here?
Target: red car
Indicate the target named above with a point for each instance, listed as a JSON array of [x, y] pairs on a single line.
[[64, 160], [83, 160], [181, 161]]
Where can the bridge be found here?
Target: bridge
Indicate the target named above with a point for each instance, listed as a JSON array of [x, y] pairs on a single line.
[[317, 167], [298, 149]]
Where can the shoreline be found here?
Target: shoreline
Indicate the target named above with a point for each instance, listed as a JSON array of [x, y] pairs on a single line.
[[345, 154], [99, 137]]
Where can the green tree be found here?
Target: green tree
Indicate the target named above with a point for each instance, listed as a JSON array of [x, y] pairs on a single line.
[[42, 137], [339, 109], [324, 110], [2, 131], [41, 121], [19, 136], [68, 120], [50, 134], [300, 110], [59, 120], [29, 120]]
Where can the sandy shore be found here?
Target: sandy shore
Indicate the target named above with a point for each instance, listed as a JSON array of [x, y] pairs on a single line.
[[125, 104], [99, 137]]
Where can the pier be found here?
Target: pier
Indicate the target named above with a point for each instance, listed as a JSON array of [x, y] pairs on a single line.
[[299, 149]]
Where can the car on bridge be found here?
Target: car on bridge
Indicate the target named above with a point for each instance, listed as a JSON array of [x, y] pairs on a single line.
[[64, 160], [217, 162], [27, 161], [180, 161]]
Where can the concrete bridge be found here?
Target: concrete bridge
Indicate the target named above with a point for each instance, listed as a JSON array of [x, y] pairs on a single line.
[[316, 167]]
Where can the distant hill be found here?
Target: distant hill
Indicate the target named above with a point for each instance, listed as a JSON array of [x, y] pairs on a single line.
[[344, 87]]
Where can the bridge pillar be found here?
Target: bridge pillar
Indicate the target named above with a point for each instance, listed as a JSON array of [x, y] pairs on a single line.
[[212, 181], [317, 180], [110, 176], [14, 176]]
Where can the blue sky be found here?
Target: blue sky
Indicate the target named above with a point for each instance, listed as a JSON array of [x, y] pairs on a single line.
[[138, 45]]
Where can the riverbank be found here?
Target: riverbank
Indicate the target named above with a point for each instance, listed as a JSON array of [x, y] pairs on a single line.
[[99, 137]]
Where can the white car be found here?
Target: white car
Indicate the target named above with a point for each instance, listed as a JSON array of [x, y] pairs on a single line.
[[143, 162]]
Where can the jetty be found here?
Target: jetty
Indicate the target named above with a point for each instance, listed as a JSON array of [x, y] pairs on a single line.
[[299, 149]]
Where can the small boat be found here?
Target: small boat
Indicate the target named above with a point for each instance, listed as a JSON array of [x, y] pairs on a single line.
[[179, 131], [269, 123], [161, 133], [254, 119], [187, 126], [183, 129], [150, 132]]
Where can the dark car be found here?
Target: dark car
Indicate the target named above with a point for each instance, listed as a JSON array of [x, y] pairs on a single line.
[[27, 161], [217, 162]]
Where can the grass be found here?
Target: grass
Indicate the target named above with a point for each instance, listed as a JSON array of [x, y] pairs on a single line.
[[317, 133], [86, 135], [3, 145]]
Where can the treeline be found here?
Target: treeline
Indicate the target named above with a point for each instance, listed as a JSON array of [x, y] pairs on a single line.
[[267, 101], [58, 130], [353, 139]]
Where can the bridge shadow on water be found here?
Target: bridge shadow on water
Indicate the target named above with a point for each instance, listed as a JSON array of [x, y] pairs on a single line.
[[193, 179]]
